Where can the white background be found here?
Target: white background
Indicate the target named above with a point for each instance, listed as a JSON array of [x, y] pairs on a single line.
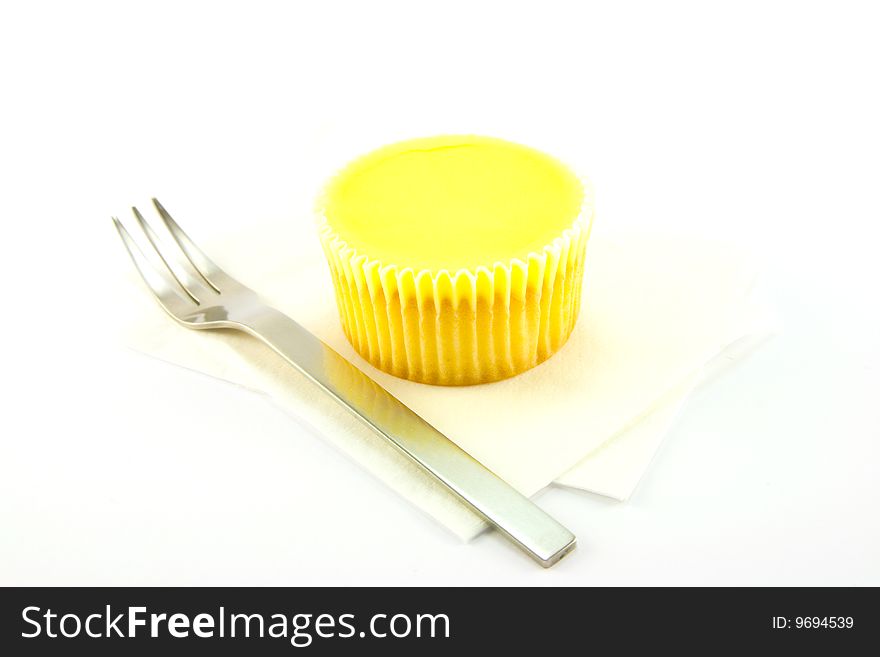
[[754, 122]]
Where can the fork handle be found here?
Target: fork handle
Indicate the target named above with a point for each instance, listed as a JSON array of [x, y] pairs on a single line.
[[517, 517]]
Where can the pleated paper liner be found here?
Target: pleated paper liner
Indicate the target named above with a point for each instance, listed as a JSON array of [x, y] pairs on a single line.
[[466, 327]]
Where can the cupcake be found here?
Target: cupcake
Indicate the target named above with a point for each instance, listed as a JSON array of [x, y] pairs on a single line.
[[456, 259]]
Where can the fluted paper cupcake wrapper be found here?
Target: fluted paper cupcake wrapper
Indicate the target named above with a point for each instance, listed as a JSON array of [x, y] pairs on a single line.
[[461, 328]]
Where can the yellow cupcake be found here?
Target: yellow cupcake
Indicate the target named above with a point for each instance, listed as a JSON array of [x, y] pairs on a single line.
[[457, 259]]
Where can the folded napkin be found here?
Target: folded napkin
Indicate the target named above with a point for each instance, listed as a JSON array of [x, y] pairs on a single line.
[[656, 310]]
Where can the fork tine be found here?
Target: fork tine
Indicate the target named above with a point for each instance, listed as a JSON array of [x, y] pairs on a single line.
[[202, 263], [177, 272], [158, 283]]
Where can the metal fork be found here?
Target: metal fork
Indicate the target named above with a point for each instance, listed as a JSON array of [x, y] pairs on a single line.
[[200, 295]]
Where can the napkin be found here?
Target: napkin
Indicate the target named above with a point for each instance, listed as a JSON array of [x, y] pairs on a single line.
[[615, 468], [656, 310]]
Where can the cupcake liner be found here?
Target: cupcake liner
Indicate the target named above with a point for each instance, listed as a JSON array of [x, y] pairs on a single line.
[[463, 327]]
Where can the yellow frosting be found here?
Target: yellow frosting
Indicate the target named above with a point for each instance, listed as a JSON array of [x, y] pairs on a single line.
[[453, 202], [456, 259]]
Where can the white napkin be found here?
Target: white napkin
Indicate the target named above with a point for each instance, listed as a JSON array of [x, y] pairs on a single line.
[[615, 468], [655, 311]]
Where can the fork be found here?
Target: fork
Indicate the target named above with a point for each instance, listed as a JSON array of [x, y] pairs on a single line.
[[200, 295]]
